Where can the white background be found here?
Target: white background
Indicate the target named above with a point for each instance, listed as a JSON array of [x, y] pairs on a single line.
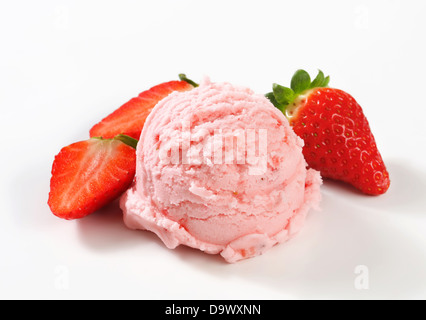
[[64, 65]]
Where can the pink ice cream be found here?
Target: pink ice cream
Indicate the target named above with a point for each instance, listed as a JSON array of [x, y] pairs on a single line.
[[220, 169]]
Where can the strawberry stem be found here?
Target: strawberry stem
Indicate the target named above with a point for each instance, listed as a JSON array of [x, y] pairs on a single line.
[[183, 77], [131, 142]]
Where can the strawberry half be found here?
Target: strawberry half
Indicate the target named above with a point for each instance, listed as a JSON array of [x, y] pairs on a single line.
[[338, 139], [89, 174], [130, 117]]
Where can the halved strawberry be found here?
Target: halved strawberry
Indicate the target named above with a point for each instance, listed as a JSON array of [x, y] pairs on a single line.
[[338, 139], [130, 117], [89, 174]]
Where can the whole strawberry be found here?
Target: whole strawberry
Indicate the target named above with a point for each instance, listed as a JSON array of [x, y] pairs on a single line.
[[337, 136]]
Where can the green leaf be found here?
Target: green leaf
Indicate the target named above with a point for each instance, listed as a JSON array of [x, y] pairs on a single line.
[[283, 95], [318, 81], [326, 81], [301, 81], [271, 97]]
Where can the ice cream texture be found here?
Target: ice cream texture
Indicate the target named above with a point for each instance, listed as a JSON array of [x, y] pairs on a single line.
[[220, 169]]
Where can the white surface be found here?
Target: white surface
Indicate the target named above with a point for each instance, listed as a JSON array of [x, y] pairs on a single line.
[[66, 64]]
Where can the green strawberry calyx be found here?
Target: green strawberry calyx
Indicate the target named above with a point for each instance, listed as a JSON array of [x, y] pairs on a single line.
[[183, 77], [131, 142], [287, 99]]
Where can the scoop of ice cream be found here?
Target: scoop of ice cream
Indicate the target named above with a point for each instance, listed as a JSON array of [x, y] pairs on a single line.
[[220, 169]]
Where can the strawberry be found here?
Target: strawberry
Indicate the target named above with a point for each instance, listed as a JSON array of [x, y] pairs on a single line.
[[89, 174], [338, 139], [130, 117]]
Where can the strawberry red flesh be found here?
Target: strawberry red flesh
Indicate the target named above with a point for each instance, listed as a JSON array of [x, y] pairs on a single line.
[[130, 117], [89, 174], [338, 140]]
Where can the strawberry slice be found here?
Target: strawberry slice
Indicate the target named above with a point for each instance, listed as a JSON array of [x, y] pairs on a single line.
[[130, 117], [338, 139], [89, 174]]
